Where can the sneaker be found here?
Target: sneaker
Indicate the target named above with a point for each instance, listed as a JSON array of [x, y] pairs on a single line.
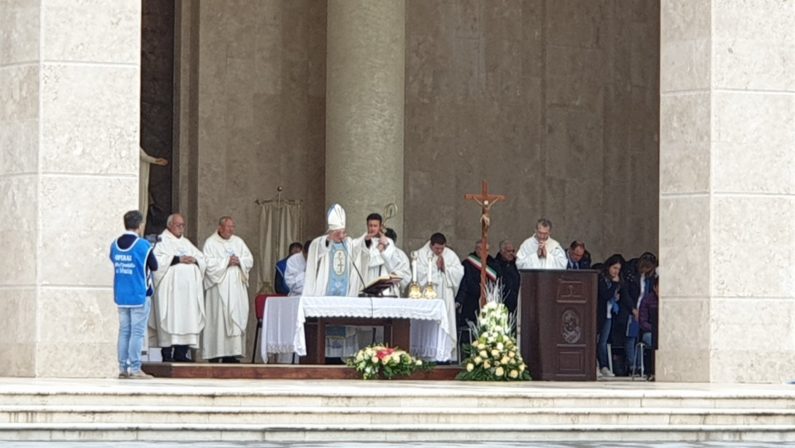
[[607, 373], [140, 376], [123, 376]]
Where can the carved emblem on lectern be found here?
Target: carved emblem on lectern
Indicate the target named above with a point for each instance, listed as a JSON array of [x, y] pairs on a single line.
[[571, 328]]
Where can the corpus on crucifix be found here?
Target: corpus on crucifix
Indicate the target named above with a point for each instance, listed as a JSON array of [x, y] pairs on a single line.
[[486, 201]]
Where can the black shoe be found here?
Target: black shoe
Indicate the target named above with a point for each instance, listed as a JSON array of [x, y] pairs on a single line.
[[230, 360], [181, 353], [167, 354], [214, 360]]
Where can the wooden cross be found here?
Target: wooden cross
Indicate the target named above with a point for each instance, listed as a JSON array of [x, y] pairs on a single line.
[[486, 201]]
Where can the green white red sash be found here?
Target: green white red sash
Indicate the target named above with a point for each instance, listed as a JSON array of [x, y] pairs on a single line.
[[475, 261]]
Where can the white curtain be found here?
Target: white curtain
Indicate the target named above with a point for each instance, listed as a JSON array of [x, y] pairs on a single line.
[[279, 225]]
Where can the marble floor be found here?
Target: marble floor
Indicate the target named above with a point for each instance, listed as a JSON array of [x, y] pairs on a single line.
[[392, 445]]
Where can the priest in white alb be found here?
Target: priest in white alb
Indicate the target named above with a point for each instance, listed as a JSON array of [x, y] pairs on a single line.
[[540, 251], [178, 309], [226, 294], [330, 259], [441, 266], [382, 255], [334, 266]]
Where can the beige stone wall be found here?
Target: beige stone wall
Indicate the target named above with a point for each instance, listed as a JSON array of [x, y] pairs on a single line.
[[727, 191], [554, 102], [260, 111], [68, 172]]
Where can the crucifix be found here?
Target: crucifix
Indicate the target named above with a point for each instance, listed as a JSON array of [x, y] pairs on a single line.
[[486, 201]]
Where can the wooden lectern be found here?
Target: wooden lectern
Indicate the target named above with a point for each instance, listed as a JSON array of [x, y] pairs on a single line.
[[557, 324]]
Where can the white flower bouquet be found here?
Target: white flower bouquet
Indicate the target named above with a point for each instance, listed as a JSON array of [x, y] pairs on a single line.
[[380, 361], [493, 354]]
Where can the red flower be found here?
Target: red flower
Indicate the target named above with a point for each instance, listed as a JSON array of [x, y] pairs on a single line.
[[381, 354]]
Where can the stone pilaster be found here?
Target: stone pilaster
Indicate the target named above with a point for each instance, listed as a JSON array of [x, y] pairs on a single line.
[[727, 191], [68, 171]]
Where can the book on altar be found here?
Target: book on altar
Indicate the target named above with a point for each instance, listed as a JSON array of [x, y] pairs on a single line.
[[380, 284]]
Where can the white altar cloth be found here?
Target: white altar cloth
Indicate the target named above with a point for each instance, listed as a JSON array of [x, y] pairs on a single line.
[[284, 318]]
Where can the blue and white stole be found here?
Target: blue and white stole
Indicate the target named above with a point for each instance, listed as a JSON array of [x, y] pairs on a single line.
[[339, 270]]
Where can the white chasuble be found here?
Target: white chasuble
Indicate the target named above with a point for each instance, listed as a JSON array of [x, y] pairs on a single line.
[[226, 297], [178, 306]]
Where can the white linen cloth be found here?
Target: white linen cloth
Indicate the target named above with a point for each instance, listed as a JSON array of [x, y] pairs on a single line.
[[284, 318]]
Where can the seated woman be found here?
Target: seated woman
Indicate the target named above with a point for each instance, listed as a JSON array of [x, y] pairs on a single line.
[[648, 320], [607, 308]]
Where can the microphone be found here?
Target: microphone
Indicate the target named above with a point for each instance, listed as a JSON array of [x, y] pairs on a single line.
[[353, 263]]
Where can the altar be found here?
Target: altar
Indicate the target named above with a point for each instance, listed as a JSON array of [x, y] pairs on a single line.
[[285, 323]]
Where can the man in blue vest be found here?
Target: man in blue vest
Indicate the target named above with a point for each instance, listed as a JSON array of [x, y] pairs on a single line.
[[133, 262]]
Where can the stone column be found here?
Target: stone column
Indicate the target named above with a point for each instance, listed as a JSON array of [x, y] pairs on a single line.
[[727, 191], [364, 108], [69, 114]]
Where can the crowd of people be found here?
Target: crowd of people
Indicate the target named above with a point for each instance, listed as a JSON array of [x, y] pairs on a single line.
[[199, 298]]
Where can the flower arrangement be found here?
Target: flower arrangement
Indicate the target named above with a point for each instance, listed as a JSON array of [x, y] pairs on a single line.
[[379, 360], [493, 354]]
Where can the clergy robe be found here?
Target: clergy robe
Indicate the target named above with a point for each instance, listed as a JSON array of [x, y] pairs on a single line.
[[178, 309], [226, 297], [318, 266], [527, 257], [340, 341], [446, 284], [391, 261], [400, 265], [294, 274]]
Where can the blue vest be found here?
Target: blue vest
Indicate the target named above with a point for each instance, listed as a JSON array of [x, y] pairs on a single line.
[[130, 282]]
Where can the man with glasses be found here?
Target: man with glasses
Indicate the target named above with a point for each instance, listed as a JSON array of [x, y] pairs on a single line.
[[540, 251], [179, 292]]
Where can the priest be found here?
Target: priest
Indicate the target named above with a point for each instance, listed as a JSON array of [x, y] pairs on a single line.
[[399, 264], [334, 261], [439, 265], [384, 257], [226, 294], [334, 266], [540, 251], [295, 271], [178, 308]]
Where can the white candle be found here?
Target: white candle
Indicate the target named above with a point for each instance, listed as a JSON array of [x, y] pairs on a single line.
[[430, 268], [414, 269]]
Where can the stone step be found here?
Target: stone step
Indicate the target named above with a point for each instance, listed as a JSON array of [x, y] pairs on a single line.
[[391, 433], [519, 399], [83, 414]]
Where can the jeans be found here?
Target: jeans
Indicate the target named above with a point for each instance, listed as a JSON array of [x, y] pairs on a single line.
[[604, 336], [647, 339], [132, 330]]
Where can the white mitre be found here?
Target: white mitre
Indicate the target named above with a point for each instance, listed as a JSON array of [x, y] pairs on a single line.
[[335, 218]]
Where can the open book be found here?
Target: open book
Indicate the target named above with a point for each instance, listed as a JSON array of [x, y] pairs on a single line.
[[380, 284]]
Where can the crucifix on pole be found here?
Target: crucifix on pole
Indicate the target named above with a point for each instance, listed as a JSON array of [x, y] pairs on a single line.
[[486, 201]]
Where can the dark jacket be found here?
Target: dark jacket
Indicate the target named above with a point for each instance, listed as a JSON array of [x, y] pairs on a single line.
[[649, 315], [510, 281], [468, 297], [607, 289]]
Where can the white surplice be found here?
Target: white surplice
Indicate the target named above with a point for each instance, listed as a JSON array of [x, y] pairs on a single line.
[[527, 257], [390, 261], [178, 304], [294, 274], [446, 284], [226, 297]]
